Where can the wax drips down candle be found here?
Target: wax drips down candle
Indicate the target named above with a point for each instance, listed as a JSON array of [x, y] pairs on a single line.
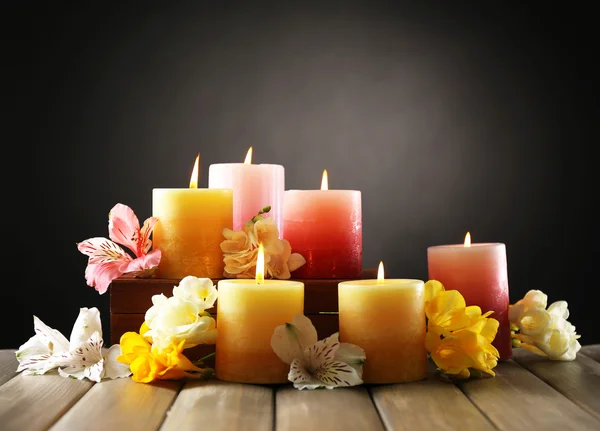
[[189, 228], [325, 226], [479, 272], [248, 311], [386, 317], [254, 187]]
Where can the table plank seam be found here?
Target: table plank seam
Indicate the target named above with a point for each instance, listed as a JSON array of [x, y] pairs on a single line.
[[370, 392], [477, 407], [168, 410]]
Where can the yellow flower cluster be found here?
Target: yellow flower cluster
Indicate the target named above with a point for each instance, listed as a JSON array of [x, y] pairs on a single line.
[[148, 363], [458, 337]]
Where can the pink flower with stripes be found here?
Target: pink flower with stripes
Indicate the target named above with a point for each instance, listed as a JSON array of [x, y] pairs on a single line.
[[107, 260]]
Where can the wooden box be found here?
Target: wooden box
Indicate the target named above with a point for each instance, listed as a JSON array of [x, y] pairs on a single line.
[[130, 298]]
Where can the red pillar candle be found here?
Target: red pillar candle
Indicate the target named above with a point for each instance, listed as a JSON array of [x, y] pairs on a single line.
[[479, 272], [325, 226]]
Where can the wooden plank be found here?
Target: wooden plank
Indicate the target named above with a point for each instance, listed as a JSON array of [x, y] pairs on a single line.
[[420, 406], [34, 403], [578, 380], [335, 409], [215, 405], [518, 400], [592, 351], [121, 404], [8, 365]]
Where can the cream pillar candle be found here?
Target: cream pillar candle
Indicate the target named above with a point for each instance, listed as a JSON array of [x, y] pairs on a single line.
[[386, 317], [248, 311], [189, 230]]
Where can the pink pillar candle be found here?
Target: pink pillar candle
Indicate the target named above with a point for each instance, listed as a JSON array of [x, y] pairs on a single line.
[[254, 187], [325, 226], [479, 272]]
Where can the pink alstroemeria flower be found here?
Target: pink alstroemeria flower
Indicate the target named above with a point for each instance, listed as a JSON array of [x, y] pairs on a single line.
[[107, 260]]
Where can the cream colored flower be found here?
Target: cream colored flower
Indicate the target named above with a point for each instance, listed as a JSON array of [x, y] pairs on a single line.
[[172, 320], [240, 250], [201, 291], [545, 332]]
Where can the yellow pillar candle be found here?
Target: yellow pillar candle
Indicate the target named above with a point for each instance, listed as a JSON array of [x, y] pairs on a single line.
[[189, 230], [386, 317], [248, 311]]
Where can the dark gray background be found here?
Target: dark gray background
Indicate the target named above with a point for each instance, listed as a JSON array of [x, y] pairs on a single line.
[[449, 117]]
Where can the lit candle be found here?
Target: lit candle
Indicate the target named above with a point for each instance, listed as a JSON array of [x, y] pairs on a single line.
[[325, 226], [248, 311], [254, 186], [479, 272], [189, 228], [386, 317]]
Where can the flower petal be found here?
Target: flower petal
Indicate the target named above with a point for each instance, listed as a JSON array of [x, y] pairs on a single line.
[[559, 308], [337, 374], [300, 376], [144, 266], [432, 288], [88, 322], [85, 361], [36, 355], [322, 351], [124, 228], [144, 242], [352, 355], [99, 276], [101, 250], [291, 339], [114, 369], [295, 261]]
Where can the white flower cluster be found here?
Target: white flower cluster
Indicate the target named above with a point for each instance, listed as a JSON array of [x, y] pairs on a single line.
[[183, 316], [544, 331]]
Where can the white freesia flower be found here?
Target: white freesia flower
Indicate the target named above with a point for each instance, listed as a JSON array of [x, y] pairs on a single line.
[[545, 332], [200, 291], [174, 319], [81, 357], [316, 364]]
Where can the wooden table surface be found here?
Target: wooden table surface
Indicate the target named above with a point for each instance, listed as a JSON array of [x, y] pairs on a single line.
[[528, 393]]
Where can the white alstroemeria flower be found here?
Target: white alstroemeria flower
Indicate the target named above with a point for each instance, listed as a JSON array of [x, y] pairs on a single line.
[[174, 319], [81, 357], [37, 355], [200, 291], [316, 364]]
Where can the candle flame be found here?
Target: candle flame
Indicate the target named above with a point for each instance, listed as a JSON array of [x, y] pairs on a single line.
[[324, 181], [260, 265], [195, 171], [248, 159], [468, 239], [380, 273]]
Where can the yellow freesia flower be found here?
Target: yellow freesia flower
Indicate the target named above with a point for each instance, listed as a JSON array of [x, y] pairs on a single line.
[[148, 363], [458, 337]]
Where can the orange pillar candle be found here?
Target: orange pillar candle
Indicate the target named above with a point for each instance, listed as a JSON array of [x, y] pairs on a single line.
[[479, 272], [189, 230], [386, 317], [248, 311]]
